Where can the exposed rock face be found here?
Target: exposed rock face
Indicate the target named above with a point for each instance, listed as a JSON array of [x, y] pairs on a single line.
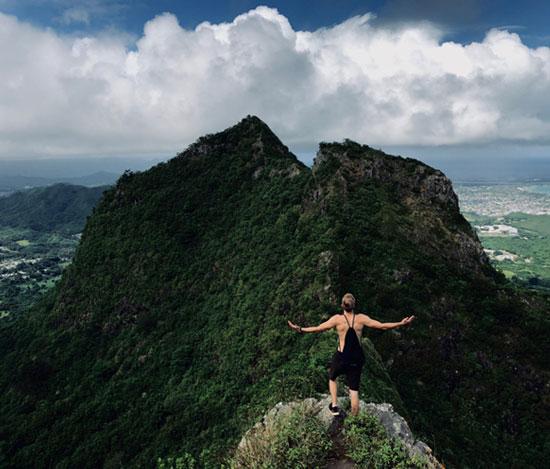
[[408, 174], [328, 265], [395, 425], [426, 192]]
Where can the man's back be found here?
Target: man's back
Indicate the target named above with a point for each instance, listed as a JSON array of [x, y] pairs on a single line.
[[343, 321]]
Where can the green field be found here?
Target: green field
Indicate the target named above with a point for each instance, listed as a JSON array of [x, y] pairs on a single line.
[[38, 236], [31, 262], [531, 246]]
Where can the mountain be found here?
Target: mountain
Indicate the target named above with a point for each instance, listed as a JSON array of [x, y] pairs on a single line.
[[98, 178], [167, 334], [60, 207], [11, 183]]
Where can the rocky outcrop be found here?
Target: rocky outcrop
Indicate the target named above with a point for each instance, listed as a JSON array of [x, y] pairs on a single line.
[[437, 225], [395, 426], [360, 162], [251, 131]]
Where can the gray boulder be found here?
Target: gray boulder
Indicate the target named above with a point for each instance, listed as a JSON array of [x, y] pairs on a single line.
[[395, 425]]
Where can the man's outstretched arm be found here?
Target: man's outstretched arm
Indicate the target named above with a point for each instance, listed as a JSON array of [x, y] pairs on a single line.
[[325, 326], [369, 322]]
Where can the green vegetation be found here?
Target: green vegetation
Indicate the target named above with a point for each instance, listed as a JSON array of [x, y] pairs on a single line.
[[370, 447], [28, 269], [532, 246], [167, 333], [38, 238], [186, 332], [186, 461], [295, 440], [60, 207]]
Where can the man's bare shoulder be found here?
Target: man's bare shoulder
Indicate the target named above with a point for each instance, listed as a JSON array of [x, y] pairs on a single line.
[[335, 319], [363, 318]]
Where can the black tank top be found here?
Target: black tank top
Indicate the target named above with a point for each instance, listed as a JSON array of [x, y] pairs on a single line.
[[352, 352]]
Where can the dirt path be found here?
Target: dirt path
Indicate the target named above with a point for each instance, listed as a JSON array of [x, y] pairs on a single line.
[[338, 459]]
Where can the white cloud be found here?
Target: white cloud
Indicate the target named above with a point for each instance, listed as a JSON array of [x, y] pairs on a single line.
[[379, 85]]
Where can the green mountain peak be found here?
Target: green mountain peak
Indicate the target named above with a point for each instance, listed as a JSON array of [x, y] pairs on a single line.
[[250, 136]]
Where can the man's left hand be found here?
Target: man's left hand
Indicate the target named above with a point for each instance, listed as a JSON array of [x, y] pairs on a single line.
[[294, 326]]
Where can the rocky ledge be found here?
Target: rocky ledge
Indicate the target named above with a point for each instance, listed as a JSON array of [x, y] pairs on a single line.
[[396, 427]]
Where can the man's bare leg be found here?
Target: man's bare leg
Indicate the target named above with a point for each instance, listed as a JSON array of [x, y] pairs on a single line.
[[354, 398], [333, 388]]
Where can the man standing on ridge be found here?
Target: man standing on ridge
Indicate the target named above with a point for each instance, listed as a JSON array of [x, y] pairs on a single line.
[[349, 358]]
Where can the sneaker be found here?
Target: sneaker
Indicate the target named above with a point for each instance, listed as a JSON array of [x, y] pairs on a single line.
[[334, 410]]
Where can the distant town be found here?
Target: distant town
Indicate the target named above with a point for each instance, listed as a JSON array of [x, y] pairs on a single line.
[[513, 224], [501, 199]]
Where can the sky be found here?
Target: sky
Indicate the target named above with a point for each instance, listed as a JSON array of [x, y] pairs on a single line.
[[465, 81]]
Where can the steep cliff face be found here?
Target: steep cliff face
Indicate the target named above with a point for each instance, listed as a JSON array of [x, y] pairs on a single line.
[[426, 193], [173, 313]]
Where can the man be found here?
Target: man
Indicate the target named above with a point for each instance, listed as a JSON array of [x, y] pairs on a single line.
[[349, 357]]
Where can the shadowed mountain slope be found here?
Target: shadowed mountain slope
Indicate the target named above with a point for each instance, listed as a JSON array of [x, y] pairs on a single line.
[[59, 207]]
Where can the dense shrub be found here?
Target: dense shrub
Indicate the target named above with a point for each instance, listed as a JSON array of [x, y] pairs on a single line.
[[370, 447], [297, 440]]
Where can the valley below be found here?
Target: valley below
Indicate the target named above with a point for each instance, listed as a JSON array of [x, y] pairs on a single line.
[[40, 229], [30, 263], [513, 224]]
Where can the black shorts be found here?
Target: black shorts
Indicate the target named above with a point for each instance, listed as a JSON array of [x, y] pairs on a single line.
[[352, 371]]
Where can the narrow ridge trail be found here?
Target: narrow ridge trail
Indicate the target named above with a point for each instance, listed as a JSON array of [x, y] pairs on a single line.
[[338, 458]]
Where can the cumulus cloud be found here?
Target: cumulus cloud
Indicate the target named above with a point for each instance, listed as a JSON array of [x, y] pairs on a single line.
[[377, 84]]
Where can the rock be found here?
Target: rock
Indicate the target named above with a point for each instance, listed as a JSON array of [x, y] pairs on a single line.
[[402, 276], [329, 265], [395, 425]]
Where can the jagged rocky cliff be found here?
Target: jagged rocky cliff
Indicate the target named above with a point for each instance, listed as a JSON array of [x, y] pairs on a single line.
[[433, 216], [167, 334]]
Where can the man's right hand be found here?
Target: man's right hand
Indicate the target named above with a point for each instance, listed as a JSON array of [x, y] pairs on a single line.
[[407, 320]]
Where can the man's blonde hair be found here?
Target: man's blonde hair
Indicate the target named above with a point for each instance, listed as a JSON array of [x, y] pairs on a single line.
[[348, 302]]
